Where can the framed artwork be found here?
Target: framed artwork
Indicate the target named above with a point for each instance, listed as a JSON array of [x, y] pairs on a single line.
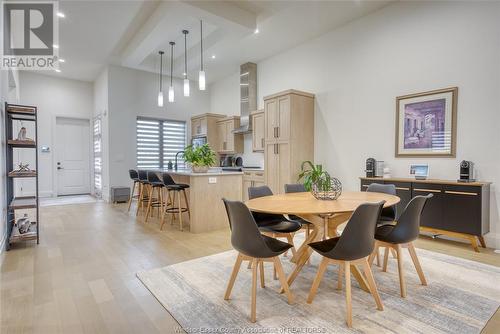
[[426, 124]]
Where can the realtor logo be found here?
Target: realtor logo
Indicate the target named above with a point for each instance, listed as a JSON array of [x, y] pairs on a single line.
[[29, 32]]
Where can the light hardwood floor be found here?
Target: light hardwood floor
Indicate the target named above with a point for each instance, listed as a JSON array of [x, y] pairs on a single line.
[[81, 278]]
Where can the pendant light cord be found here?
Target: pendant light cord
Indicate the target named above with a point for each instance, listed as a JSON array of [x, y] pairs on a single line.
[[161, 69], [171, 60], [201, 42], [185, 32]]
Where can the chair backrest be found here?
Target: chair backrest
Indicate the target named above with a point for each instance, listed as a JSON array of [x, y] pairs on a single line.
[[168, 180], [153, 177], [133, 174], [295, 188], [143, 175], [408, 225], [358, 238], [245, 235], [255, 192], [390, 189]]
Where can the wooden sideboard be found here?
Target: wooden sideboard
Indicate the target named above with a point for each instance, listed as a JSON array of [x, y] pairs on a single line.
[[457, 209]]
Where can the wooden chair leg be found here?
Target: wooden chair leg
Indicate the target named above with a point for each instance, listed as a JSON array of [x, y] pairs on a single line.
[[402, 283], [275, 275], [180, 210], [253, 316], [378, 256], [393, 252], [386, 259], [261, 269], [317, 280], [232, 279], [416, 263], [139, 199], [173, 204], [149, 204], [131, 197], [283, 279], [340, 278], [375, 253], [249, 264], [372, 285], [347, 272], [289, 238], [481, 241], [187, 203]]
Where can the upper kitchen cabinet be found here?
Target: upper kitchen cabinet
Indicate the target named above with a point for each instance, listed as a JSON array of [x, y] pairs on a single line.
[[228, 142], [289, 136], [258, 133], [204, 125]]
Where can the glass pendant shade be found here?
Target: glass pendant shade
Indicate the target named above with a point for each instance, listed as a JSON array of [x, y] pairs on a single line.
[[201, 80], [160, 99], [186, 87], [171, 94]]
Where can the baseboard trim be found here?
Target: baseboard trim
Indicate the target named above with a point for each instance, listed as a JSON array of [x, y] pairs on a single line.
[[492, 240]]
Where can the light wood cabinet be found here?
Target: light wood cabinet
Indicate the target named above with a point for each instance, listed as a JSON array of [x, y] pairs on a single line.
[[289, 136], [252, 179], [258, 131], [205, 125], [228, 142]]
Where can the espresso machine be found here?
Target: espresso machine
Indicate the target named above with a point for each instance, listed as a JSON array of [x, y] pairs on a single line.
[[466, 171], [370, 167]]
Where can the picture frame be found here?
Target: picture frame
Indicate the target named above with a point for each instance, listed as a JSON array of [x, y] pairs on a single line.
[[426, 124]]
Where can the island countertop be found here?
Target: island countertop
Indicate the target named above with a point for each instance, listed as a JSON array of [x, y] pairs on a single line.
[[188, 172]]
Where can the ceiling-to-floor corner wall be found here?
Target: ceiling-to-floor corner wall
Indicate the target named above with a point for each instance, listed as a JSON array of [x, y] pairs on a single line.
[[358, 70], [134, 93]]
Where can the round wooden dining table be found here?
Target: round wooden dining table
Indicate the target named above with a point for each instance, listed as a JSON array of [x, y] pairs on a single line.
[[324, 215]]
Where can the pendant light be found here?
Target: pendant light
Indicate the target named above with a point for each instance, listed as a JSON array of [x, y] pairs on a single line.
[[171, 97], [160, 93], [201, 77], [186, 80]]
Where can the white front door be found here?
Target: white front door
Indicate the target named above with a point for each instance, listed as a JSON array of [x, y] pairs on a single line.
[[72, 156]]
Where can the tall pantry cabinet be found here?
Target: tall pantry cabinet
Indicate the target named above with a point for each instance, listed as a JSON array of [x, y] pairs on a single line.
[[289, 136]]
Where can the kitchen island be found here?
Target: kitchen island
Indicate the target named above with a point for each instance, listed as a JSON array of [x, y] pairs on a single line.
[[205, 194]]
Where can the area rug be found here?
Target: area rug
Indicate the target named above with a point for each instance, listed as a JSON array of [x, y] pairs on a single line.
[[461, 297]]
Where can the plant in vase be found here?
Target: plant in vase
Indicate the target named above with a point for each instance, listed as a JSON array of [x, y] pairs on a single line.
[[319, 182], [200, 157]]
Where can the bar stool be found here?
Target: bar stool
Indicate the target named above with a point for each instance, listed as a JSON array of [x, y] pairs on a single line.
[[134, 176], [143, 190], [176, 188], [154, 184]]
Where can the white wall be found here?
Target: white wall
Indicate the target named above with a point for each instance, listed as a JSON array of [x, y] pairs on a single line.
[[358, 70], [54, 97], [134, 93]]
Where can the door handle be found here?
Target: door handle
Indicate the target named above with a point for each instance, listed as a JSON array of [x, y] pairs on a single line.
[[59, 167]]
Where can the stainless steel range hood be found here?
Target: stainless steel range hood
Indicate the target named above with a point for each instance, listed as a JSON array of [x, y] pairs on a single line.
[[248, 96]]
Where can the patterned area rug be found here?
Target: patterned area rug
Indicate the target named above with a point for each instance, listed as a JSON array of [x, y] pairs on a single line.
[[461, 297]]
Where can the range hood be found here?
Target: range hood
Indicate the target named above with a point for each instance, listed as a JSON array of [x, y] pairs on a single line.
[[248, 96]]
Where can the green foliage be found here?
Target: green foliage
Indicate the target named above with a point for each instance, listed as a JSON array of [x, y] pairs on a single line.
[[314, 174], [200, 156]]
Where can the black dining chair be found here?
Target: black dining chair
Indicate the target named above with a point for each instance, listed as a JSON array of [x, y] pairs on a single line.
[[402, 234], [252, 246], [154, 183], [134, 176], [298, 188], [175, 208], [389, 214], [354, 246], [276, 226], [143, 190]]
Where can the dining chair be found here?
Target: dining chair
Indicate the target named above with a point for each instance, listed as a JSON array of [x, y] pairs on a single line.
[[154, 202], [175, 208], [274, 225], [134, 176], [353, 247], [143, 190], [251, 245], [402, 234], [388, 214]]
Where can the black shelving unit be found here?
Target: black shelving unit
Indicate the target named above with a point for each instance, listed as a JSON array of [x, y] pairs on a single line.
[[14, 112]]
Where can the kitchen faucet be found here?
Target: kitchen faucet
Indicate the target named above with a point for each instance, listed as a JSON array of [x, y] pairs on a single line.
[[176, 155]]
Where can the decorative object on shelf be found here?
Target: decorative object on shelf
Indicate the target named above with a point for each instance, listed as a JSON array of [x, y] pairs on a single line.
[[419, 171], [23, 224], [426, 124], [171, 94], [186, 80], [200, 158], [160, 93], [387, 173], [21, 135], [466, 171], [201, 76], [370, 167], [170, 166], [23, 168], [310, 173], [327, 188]]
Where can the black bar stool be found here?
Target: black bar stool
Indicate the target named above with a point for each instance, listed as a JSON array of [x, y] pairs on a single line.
[[134, 176], [154, 202], [176, 188], [143, 190]]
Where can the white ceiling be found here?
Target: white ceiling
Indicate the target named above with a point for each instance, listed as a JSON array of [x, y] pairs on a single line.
[[130, 33]]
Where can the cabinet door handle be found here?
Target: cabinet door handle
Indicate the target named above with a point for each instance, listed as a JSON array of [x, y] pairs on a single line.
[[401, 188], [277, 132], [428, 190], [259, 174], [277, 148], [460, 193]]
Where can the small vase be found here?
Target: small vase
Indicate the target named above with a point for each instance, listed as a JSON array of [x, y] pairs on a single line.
[[199, 169], [327, 189]]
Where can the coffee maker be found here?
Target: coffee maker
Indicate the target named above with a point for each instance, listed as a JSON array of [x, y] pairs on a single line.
[[466, 171], [370, 167]]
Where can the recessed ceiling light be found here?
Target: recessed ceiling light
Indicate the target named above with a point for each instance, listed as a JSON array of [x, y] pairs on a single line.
[[61, 14], [256, 31], [213, 56], [55, 46], [61, 60], [57, 70]]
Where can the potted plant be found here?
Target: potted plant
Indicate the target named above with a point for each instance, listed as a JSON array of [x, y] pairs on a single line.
[[200, 158], [319, 182]]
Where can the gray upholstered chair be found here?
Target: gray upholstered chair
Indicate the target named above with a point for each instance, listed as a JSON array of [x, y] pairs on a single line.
[[400, 235], [254, 247], [353, 247]]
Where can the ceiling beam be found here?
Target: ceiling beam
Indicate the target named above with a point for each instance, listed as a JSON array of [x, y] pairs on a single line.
[[224, 12]]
